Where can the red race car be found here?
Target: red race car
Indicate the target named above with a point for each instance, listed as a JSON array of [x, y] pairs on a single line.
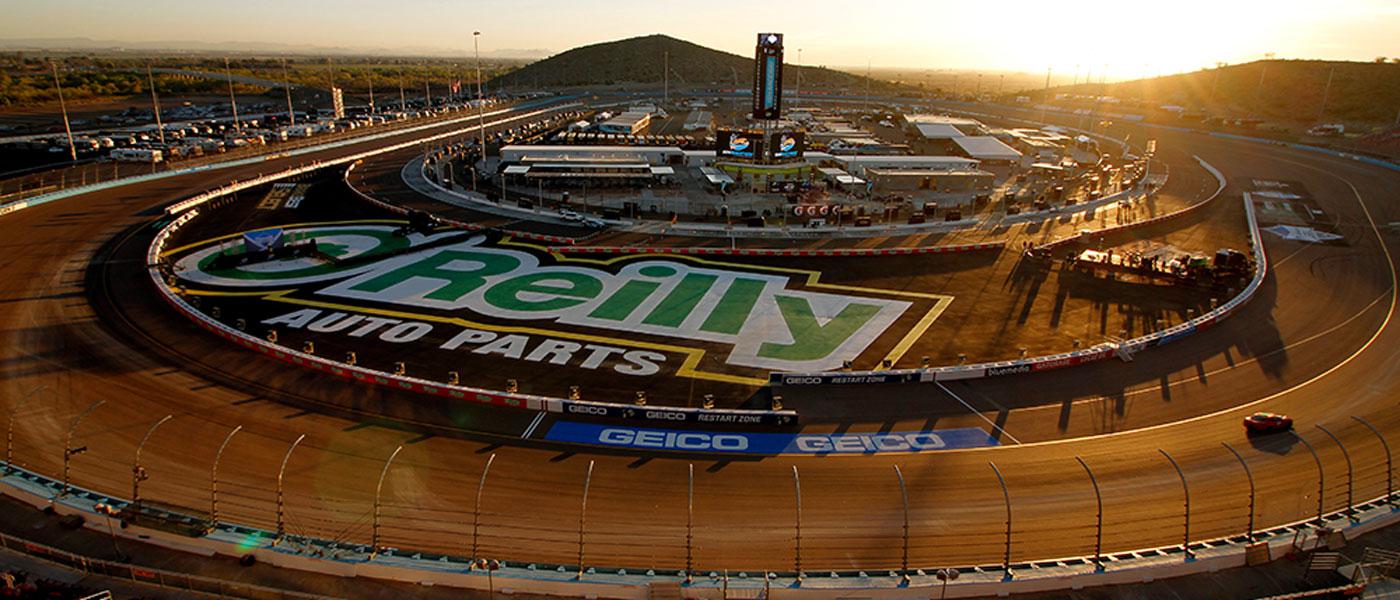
[[1263, 422]]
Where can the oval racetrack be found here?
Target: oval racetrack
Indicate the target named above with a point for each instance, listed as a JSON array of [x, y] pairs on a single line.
[[1318, 343]]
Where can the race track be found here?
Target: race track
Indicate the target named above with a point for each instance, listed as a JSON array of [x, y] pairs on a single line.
[[1318, 343]]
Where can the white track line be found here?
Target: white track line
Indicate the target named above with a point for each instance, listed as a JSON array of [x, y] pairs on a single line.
[[533, 426], [976, 412]]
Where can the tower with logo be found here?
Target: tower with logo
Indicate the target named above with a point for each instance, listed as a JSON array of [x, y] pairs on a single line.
[[768, 77]]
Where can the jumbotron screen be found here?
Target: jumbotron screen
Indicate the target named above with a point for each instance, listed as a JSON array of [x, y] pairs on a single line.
[[738, 143], [787, 144]]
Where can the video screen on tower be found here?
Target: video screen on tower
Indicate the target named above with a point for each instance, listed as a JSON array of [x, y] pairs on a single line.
[[768, 76], [738, 143], [787, 144]]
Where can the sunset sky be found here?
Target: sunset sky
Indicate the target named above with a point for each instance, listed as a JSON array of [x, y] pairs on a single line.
[[1130, 38]]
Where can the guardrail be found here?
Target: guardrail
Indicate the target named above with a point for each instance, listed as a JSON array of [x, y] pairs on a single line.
[[433, 388], [790, 252], [1054, 361]]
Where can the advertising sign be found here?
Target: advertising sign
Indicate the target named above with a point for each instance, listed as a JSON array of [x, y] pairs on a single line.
[[681, 440]]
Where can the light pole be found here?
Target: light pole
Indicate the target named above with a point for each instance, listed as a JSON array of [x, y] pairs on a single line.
[[1347, 457], [582, 516], [797, 96], [797, 544], [233, 102], [480, 97], [1321, 480], [287, 87], [72, 149], [1186, 492], [1249, 533], [689, 522], [10, 428], [155, 103], [68, 450], [476, 508], [490, 566], [379, 489], [281, 499], [107, 511], [214, 479], [1006, 498], [138, 473], [1098, 528], [904, 498], [1389, 470]]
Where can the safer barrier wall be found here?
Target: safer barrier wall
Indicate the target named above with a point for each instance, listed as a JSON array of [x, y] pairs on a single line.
[[791, 252]]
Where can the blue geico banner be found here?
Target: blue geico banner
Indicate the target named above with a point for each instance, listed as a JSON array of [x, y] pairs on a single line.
[[679, 440]]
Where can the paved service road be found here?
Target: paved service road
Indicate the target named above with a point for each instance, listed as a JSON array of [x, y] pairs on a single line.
[[1317, 344]]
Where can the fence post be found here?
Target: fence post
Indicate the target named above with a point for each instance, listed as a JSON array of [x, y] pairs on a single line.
[[1351, 513], [379, 489], [1098, 527], [797, 542], [1249, 475], [582, 515], [214, 480], [281, 499], [10, 428], [476, 508], [689, 523], [1186, 492], [1320, 474], [1006, 499], [1389, 466], [138, 474], [904, 498], [68, 450]]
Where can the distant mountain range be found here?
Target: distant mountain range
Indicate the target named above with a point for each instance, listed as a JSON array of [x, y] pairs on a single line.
[[196, 46], [640, 60], [1277, 90]]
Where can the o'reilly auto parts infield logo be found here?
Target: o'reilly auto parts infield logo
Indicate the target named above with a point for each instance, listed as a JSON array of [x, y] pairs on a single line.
[[753, 310]]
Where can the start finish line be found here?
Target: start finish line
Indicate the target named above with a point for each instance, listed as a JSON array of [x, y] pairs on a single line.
[[679, 440]]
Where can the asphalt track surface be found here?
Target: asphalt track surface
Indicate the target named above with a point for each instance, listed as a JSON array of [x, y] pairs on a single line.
[[1317, 343]]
